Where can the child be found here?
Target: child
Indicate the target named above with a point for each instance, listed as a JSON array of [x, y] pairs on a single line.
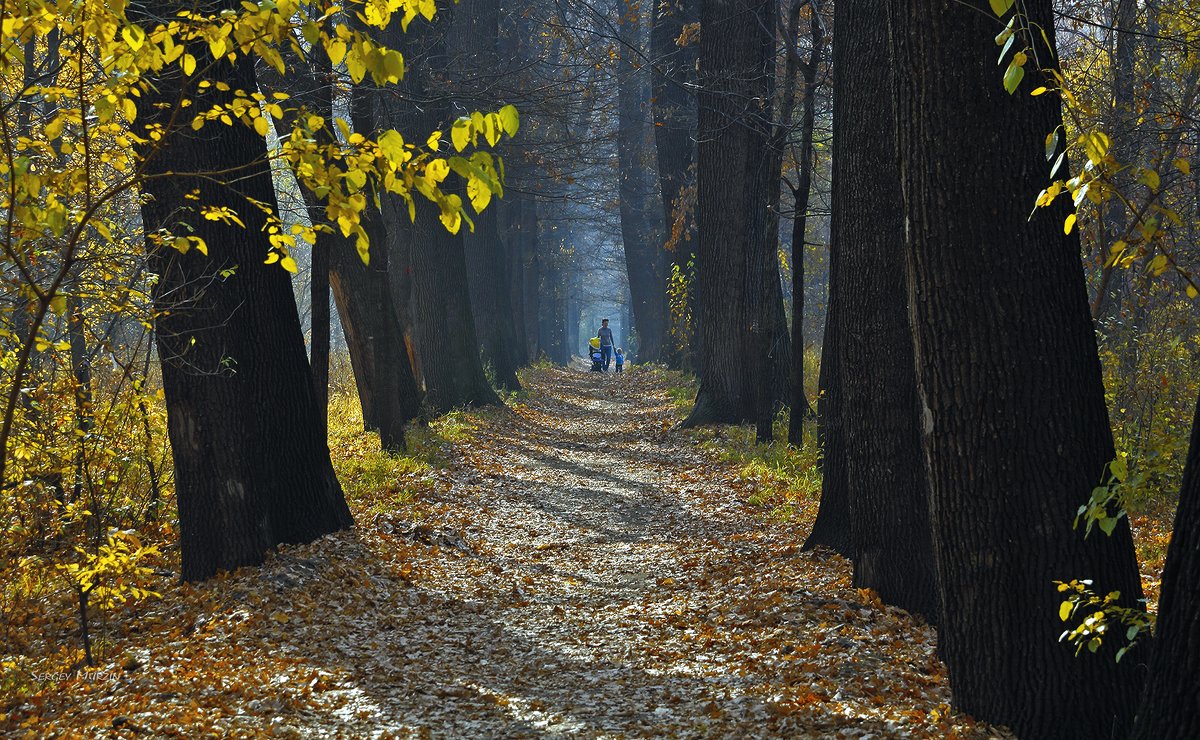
[[620, 359], [596, 356]]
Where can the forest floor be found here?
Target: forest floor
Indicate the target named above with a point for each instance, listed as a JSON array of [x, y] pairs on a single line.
[[574, 565]]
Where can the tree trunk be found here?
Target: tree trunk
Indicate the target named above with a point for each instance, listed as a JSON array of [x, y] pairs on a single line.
[[251, 467], [800, 409], [1170, 708], [832, 525], [383, 373], [318, 351], [1014, 424], [488, 279], [531, 261], [885, 478], [642, 230], [674, 108], [734, 296], [443, 325], [474, 42], [512, 241]]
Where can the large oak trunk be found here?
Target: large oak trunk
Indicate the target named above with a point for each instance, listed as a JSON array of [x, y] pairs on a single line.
[[1014, 423], [251, 467], [1171, 707], [434, 278], [885, 477], [832, 525], [735, 285]]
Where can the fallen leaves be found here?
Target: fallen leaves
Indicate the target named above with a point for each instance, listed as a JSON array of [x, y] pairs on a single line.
[[576, 567]]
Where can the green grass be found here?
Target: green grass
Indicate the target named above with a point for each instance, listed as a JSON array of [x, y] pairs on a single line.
[[787, 479]]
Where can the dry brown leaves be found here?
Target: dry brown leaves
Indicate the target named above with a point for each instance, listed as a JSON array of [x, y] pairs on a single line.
[[580, 568]]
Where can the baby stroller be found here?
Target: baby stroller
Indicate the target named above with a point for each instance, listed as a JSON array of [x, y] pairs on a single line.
[[596, 355]]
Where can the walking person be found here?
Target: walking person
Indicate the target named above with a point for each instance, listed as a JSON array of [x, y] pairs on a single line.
[[606, 343], [620, 358]]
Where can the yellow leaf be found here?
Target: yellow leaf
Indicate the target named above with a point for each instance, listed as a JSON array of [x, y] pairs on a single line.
[[510, 120], [460, 133], [1069, 224], [1096, 145], [1065, 609], [134, 36], [491, 128], [434, 141], [188, 64], [391, 143], [289, 264], [1183, 166], [336, 51], [437, 170], [356, 65], [261, 126], [479, 193], [1150, 179]]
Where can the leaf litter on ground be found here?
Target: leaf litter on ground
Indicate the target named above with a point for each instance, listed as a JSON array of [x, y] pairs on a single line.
[[576, 566]]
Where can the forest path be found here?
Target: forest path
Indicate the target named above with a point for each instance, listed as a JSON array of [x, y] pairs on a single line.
[[579, 568]]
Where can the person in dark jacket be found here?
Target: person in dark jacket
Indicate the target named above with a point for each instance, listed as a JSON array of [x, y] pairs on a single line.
[[606, 343]]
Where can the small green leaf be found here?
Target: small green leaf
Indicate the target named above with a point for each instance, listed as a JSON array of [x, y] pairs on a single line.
[[1001, 7], [1013, 77]]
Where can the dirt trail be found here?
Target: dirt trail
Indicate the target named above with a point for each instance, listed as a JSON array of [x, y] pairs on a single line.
[[583, 570]]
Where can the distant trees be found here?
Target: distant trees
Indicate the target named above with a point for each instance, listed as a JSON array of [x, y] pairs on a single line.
[[642, 227], [673, 59]]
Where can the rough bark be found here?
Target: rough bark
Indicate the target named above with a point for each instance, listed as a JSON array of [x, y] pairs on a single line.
[[1014, 424], [251, 468], [734, 294], [832, 525], [488, 280], [1171, 706], [475, 39], [885, 478], [443, 323], [674, 104], [435, 275], [642, 227]]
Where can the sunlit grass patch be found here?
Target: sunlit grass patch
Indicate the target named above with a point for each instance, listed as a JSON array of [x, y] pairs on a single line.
[[786, 479], [680, 386]]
